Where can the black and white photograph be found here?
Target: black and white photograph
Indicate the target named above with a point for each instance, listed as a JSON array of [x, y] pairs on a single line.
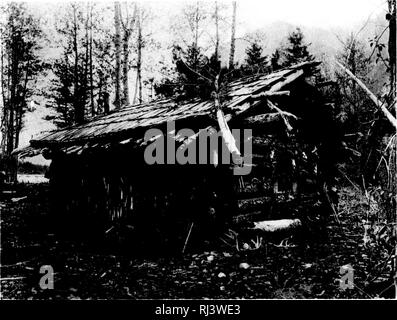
[[214, 151]]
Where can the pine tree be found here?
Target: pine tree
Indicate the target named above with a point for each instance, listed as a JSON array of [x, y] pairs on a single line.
[[191, 66], [297, 50], [275, 62], [60, 96], [255, 61]]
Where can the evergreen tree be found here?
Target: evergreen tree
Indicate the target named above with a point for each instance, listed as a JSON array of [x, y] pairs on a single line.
[[81, 84], [61, 95], [297, 50], [275, 62], [255, 61]]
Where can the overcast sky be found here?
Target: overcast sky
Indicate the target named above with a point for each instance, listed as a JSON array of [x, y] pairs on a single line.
[[321, 13]]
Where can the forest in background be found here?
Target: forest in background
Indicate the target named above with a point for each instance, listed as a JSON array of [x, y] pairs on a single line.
[[79, 60], [76, 48]]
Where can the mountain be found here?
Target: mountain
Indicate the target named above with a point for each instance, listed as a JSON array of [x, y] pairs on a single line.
[[324, 43]]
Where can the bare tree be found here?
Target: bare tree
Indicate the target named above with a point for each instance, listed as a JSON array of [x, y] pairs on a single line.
[[20, 64], [216, 17], [142, 16], [127, 25], [233, 38], [78, 110], [138, 83], [191, 29], [117, 45], [139, 61], [91, 63]]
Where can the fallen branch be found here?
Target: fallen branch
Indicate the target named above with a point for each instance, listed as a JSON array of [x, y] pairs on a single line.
[[16, 264], [379, 104], [18, 199]]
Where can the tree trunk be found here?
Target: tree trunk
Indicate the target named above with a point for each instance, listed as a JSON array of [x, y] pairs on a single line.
[[139, 60], [393, 87], [86, 63], [378, 103], [127, 30], [217, 32], [126, 98], [392, 48], [79, 116], [196, 36], [233, 38], [5, 108], [117, 101], [91, 69]]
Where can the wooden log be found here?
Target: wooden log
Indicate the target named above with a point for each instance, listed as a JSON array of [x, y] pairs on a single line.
[[378, 103], [283, 115], [262, 118], [258, 203], [227, 135], [270, 94], [18, 199], [247, 217], [12, 278], [277, 225]]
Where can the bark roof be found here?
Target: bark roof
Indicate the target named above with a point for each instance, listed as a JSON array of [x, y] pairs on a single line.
[[121, 125]]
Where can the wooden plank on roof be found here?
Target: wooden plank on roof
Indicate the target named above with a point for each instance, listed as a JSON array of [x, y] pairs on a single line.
[[150, 114]]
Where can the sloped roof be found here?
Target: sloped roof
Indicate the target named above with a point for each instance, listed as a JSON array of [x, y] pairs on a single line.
[[120, 122]]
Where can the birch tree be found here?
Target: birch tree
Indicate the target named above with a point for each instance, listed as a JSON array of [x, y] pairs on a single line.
[[138, 84], [127, 24], [233, 38]]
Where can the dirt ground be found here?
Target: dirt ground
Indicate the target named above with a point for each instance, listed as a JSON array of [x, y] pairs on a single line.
[[282, 269]]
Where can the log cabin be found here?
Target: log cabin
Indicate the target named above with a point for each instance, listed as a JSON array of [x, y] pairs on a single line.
[[100, 181]]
